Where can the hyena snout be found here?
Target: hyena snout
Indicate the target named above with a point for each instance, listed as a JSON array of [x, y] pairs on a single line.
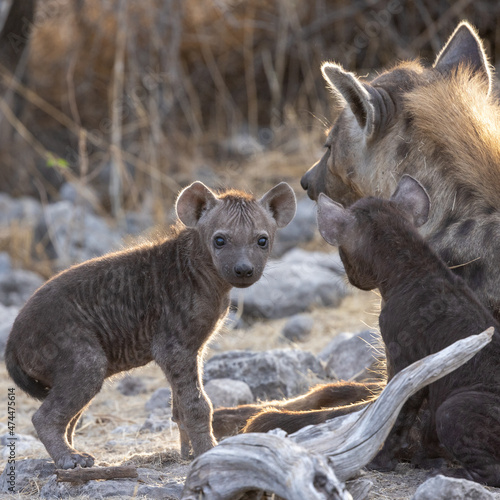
[[313, 180], [304, 181], [243, 270]]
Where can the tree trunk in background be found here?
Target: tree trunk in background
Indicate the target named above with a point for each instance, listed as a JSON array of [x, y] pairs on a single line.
[[16, 24]]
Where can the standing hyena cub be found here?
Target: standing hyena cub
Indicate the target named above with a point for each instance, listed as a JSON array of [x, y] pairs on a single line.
[[160, 301]]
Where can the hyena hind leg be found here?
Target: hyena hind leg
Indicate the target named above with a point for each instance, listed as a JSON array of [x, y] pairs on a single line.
[[56, 418], [468, 425]]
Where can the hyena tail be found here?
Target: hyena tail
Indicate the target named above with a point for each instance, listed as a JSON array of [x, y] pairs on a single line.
[[28, 384]]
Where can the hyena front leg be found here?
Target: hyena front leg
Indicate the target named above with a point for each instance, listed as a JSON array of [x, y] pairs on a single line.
[[179, 420], [191, 407]]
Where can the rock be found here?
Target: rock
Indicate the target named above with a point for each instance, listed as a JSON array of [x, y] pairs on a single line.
[[228, 392], [17, 286], [79, 194], [149, 484], [26, 210], [351, 358], [72, 234], [298, 328], [160, 399], [448, 488], [158, 421], [24, 475], [5, 263], [131, 386], [301, 230], [296, 283], [325, 354], [7, 316], [273, 374], [328, 260]]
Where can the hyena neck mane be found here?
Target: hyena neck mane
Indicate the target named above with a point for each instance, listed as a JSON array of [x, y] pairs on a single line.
[[456, 122]]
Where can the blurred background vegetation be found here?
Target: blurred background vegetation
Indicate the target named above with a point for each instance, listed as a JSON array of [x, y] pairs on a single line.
[[138, 98]]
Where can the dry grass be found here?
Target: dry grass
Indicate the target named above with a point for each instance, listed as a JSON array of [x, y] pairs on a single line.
[[137, 96]]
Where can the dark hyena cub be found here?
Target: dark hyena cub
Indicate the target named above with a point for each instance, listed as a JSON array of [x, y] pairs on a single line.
[[160, 301], [426, 307]]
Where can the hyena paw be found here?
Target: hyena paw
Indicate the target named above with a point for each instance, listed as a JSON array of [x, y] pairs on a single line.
[[74, 460]]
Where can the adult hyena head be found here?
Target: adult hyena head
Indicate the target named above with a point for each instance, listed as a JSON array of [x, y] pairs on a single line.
[[375, 138], [439, 124]]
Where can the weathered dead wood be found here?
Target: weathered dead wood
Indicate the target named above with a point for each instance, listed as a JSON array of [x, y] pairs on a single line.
[[294, 467], [80, 475], [262, 462]]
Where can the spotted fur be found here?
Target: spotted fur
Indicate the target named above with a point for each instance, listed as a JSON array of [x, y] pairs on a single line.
[[440, 125]]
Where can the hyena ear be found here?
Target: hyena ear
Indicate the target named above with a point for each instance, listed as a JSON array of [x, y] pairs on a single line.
[[347, 88], [412, 198], [193, 201], [464, 47], [332, 219], [281, 203]]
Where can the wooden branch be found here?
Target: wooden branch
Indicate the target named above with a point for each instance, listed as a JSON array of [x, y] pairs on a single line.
[[294, 467], [266, 462], [80, 475]]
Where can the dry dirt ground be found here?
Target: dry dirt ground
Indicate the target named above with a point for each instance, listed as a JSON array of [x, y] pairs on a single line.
[[110, 412]]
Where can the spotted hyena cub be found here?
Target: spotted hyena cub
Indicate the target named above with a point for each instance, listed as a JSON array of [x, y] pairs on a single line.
[[426, 307], [158, 301]]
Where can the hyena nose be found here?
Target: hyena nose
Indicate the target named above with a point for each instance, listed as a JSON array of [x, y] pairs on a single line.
[[243, 270], [304, 182]]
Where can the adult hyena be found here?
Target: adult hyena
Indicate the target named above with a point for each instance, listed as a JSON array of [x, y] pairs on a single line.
[[440, 125]]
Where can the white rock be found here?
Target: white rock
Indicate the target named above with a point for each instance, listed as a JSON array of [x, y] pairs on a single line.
[[228, 392]]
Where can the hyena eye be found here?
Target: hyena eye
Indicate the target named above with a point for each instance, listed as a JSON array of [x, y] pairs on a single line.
[[219, 241], [262, 241]]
